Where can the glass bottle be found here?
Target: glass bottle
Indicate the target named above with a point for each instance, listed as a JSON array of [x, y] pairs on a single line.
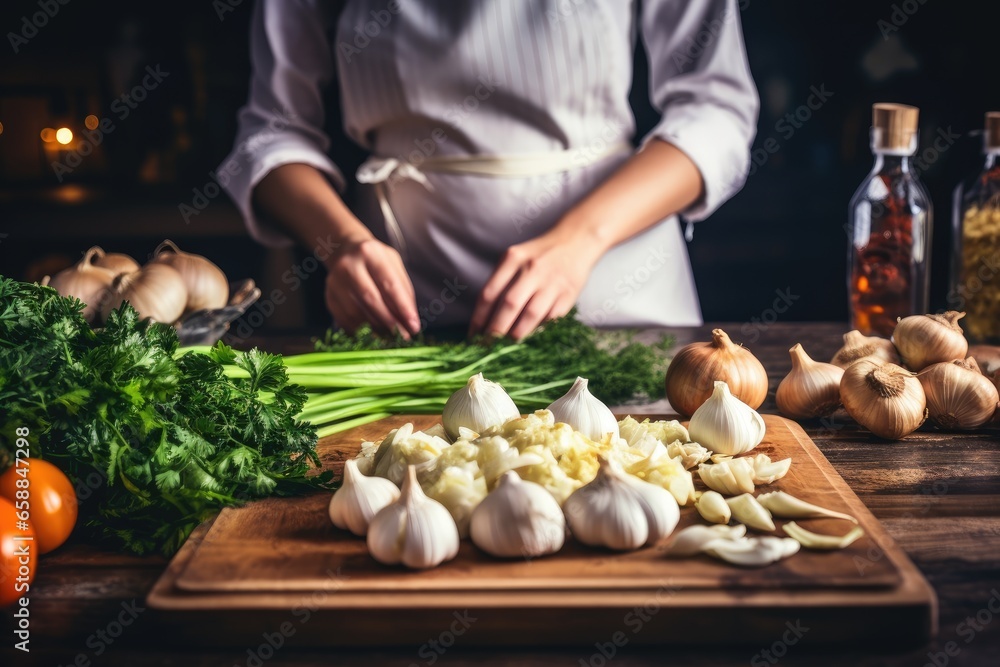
[[975, 275], [890, 229]]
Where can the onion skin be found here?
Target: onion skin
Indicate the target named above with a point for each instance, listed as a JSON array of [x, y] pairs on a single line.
[[811, 389], [695, 369], [207, 286], [959, 396], [156, 291], [884, 398], [923, 340]]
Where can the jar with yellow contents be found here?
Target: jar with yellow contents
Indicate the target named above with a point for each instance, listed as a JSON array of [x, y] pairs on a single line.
[[975, 284]]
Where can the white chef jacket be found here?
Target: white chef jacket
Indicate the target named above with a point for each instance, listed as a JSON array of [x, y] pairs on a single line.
[[424, 78]]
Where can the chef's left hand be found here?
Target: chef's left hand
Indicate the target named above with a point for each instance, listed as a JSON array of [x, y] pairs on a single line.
[[534, 282]]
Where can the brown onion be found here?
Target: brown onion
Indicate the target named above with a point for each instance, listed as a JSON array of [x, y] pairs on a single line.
[[206, 284], [884, 398], [858, 346], [86, 282], [958, 394], [923, 340], [811, 389], [695, 369], [155, 291], [114, 261]]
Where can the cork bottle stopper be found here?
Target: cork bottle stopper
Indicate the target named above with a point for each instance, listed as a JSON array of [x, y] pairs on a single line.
[[895, 126], [993, 129]]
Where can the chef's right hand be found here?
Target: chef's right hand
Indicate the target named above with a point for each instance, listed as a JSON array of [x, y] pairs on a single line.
[[367, 283]]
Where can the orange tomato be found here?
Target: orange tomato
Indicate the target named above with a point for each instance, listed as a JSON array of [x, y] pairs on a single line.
[[17, 568], [50, 497]]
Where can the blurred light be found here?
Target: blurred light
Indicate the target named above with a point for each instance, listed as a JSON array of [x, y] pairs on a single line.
[[64, 135], [91, 122], [48, 135]]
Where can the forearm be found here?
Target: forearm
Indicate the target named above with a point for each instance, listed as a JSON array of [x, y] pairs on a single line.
[[298, 199], [652, 185]]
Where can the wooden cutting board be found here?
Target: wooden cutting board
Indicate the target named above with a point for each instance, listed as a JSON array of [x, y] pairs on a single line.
[[270, 555]]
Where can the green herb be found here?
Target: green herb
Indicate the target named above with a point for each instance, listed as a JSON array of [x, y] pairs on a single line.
[[155, 440]]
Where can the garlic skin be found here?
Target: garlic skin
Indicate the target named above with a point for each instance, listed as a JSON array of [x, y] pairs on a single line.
[[811, 389], [156, 291], [695, 367], [857, 346], [725, 424], [359, 498], [518, 519], [584, 412], [477, 406], [713, 508], [958, 395], [115, 262], [923, 340], [85, 281], [619, 512], [884, 398], [207, 286], [748, 511], [414, 530]]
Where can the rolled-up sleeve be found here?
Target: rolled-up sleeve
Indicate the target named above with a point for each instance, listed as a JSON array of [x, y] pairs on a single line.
[[700, 81], [283, 119]]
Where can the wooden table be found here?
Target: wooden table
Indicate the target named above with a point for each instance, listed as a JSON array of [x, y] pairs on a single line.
[[937, 493]]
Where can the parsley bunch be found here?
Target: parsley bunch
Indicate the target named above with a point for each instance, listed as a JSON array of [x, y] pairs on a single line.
[[156, 441]]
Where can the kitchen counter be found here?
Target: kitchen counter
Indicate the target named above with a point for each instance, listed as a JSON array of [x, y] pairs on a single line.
[[937, 493]]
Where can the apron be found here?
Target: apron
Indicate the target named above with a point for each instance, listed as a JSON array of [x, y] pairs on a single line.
[[459, 171]]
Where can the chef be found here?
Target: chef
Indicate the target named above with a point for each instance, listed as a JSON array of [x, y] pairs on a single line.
[[502, 186]]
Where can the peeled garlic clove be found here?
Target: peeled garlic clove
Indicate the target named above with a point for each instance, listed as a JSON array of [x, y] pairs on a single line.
[[747, 510], [766, 471], [811, 540], [359, 498], [786, 506], [754, 551], [156, 291], [414, 530], [206, 285], [811, 389], [729, 477], [923, 340], [713, 508], [584, 412], [958, 395], [693, 539], [477, 406], [614, 512], [857, 346], [689, 454], [725, 424], [884, 398], [518, 518]]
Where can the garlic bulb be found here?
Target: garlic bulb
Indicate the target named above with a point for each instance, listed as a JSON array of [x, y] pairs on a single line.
[[620, 512], [477, 406], [206, 284], [584, 412], [85, 281], [786, 506], [713, 507], [518, 518], [749, 512], [923, 340], [857, 346], [696, 367], [725, 424], [359, 498], [811, 540], [115, 262], [884, 398], [958, 394], [155, 291], [811, 389], [414, 530]]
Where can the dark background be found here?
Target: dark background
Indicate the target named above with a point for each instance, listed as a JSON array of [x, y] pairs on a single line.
[[784, 232]]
